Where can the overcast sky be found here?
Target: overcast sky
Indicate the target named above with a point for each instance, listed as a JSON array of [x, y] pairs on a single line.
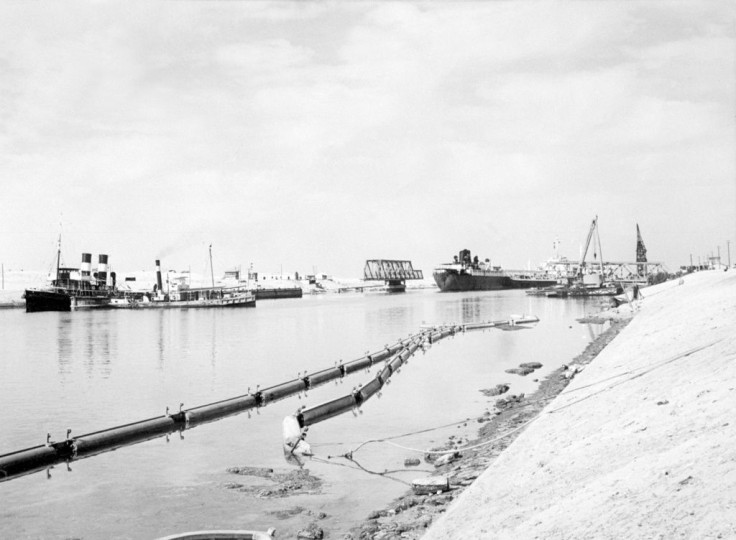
[[316, 135]]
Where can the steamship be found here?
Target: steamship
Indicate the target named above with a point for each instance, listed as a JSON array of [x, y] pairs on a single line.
[[74, 288], [466, 274]]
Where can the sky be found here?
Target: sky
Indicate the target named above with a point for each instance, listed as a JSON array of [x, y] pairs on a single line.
[[313, 135]]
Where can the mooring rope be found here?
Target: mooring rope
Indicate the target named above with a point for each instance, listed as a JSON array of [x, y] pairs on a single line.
[[402, 435], [359, 467], [638, 372], [629, 372], [635, 375], [387, 440]]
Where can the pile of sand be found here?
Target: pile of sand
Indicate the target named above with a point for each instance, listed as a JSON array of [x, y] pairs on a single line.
[[640, 445]]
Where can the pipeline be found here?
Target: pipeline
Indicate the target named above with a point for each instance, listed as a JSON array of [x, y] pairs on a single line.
[[40, 457], [308, 416]]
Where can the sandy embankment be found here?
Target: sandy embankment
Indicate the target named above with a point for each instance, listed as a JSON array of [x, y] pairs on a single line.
[[641, 444], [409, 516]]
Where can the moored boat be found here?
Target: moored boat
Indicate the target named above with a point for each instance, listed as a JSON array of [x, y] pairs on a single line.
[[74, 288], [576, 291], [469, 274], [223, 535], [181, 295]]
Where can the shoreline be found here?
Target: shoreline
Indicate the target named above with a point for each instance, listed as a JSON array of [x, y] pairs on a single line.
[[640, 445], [410, 515]]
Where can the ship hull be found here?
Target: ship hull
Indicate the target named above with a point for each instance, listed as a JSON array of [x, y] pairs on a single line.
[[454, 281], [248, 300], [449, 281], [528, 283], [64, 300], [47, 301]]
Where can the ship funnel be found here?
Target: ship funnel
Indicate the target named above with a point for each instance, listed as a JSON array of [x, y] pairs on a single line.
[[86, 268], [158, 275], [102, 269]]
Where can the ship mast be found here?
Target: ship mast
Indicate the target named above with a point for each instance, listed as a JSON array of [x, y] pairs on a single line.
[[212, 272], [58, 258]]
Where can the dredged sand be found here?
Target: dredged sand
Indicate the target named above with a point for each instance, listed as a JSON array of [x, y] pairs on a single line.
[[641, 444]]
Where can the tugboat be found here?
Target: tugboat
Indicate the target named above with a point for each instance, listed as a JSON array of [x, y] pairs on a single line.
[[74, 288], [469, 274], [181, 295]]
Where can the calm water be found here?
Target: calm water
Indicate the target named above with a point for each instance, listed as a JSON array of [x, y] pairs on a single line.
[[93, 370]]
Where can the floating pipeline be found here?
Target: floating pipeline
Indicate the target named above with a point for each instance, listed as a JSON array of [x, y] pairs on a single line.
[[312, 415], [306, 417], [44, 456]]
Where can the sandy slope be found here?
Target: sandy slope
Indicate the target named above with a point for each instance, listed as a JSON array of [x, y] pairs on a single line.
[[642, 444]]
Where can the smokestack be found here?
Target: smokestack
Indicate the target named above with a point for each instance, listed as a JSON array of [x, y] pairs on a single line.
[[102, 269], [158, 275], [86, 269]]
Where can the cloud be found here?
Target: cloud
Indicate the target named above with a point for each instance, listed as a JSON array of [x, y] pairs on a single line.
[[270, 57], [285, 129]]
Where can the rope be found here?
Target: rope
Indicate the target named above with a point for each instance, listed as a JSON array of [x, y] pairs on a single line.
[[358, 466], [361, 443], [645, 371], [349, 455], [485, 443]]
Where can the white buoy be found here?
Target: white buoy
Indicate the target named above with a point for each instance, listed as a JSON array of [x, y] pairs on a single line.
[[293, 434]]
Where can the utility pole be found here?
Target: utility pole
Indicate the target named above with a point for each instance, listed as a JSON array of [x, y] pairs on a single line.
[[3, 265], [728, 245]]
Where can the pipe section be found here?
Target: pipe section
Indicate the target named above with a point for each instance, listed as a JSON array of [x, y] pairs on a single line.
[[37, 458], [220, 409]]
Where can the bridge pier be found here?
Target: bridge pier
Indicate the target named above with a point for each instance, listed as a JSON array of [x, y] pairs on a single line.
[[395, 285]]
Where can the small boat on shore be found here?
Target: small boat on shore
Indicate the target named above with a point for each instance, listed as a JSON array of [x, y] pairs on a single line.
[[222, 535]]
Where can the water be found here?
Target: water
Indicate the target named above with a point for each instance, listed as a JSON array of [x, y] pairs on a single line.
[[87, 371]]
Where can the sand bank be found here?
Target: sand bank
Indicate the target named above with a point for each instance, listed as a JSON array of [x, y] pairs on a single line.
[[409, 516], [641, 444]]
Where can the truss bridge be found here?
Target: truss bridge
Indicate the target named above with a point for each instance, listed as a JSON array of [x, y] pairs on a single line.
[[394, 273]]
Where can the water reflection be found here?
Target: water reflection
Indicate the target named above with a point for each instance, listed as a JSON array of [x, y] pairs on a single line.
[[470, 309], [88, 334], [96, 337], [213, 349], [464, 309], [64, 344], [394, 316], [161, 344]]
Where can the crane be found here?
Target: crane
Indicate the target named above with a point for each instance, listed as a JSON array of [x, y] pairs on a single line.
[[593, 228]]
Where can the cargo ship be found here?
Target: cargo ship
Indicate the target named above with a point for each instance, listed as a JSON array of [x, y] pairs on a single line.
[[467, 273]]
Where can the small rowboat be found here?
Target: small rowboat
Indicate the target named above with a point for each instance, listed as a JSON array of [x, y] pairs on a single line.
[[223, 535]]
